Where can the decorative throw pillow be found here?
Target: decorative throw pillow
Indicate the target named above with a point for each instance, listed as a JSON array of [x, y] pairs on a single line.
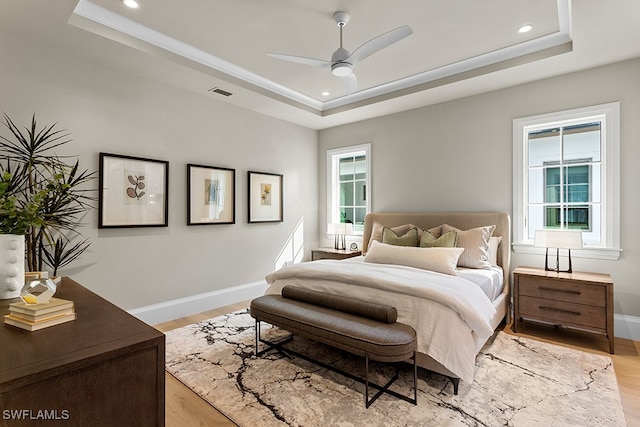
[[376, 230], [494, 243], [447, 240], [390, 237], [440, 260], [476, 245]]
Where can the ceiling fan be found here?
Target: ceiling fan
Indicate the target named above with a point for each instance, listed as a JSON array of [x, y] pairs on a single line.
[[342, 61]]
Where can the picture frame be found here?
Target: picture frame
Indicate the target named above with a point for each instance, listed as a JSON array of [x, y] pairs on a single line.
[[265, 197], [211, 195], [133, 192]]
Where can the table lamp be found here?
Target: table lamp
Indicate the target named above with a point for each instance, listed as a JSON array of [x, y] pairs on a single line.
[[339, 230], [559, 239]]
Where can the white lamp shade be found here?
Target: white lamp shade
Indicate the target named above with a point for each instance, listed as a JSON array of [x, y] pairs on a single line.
[[561, 239], [339, 228]]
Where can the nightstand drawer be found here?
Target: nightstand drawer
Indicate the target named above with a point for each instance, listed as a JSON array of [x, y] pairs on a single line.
[[563, 291], [564, 313]]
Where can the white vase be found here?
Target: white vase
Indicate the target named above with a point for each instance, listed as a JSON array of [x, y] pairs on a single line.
[[11, 265]]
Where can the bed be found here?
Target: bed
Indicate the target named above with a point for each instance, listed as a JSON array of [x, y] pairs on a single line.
[[453, 313]]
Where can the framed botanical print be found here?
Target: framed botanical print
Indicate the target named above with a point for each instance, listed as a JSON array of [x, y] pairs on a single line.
[[211, 195], [265, 197], [133, 191]]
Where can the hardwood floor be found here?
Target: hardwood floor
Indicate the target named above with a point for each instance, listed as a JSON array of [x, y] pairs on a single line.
[[185, 408]]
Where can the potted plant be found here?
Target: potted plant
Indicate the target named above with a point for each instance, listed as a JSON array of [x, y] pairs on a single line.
[[43, 196], [16, 218]]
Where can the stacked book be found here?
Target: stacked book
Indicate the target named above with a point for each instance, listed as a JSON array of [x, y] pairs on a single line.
[[38, 316]]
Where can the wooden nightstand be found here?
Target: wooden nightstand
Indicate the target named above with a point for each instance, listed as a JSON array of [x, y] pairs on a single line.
[[576, 300], [330, 253]]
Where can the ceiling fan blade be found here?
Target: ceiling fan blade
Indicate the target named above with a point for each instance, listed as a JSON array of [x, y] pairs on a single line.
[[301, 60], [378, 43], [350, 83]]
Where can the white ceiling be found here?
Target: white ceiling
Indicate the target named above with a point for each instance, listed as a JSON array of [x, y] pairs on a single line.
[[458, 47]]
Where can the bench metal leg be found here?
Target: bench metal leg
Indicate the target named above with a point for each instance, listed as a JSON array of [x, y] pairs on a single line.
[[381, 389], [385, 389], [257, 335], [270, 345]]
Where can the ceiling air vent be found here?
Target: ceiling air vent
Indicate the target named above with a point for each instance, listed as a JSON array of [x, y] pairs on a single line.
[[220, 91]]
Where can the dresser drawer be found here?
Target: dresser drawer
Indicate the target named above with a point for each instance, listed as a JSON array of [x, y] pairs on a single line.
[[569, 314], [573, 292]]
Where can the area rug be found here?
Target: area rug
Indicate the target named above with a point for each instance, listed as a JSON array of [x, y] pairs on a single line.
[[518, 382]]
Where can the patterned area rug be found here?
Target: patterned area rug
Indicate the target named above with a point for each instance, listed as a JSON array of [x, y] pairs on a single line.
[[518, 382]]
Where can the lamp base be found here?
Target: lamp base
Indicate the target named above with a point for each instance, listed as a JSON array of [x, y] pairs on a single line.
[[557, 269], [339, 242]]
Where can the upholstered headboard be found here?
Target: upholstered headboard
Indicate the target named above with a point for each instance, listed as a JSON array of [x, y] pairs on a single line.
[[461, 220]]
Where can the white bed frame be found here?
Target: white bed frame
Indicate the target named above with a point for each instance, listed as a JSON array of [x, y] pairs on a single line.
[[463, 221]]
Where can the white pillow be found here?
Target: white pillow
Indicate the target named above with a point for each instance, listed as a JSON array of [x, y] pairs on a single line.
[[441, 260], [494, 243], [475, 242]]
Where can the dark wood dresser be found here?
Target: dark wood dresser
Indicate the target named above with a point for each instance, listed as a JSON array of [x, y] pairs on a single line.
[[106, 368]]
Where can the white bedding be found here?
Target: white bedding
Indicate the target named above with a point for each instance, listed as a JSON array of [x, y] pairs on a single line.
[[450, 314], [491, 282]]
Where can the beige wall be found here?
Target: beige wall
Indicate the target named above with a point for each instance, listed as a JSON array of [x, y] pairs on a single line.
[[116, 112], [458, 156]]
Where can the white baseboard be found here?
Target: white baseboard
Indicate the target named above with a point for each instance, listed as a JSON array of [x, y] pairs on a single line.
[[626, 327], [181, 307]]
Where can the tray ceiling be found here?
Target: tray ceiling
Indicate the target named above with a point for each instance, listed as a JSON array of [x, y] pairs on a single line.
[[458, 48]]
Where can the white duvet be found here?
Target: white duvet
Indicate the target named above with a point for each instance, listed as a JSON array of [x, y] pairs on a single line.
[[451, 315]]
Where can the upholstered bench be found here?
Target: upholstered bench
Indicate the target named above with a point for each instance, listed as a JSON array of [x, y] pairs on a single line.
[[363, 328]]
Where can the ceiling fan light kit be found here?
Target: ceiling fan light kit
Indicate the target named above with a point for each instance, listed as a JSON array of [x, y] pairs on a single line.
[[343, 61], [341, 69]]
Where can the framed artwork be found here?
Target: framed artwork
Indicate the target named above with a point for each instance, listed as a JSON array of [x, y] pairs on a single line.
[[134, 192], [265, 197], [211, 195]]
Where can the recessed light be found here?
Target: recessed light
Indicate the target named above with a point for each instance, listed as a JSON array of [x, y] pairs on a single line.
[[525, 28], [133, 4], [325, 93]]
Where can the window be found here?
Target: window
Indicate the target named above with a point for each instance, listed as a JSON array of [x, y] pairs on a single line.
[[348, 185], [567, 202], [566, 176], [563, 188]]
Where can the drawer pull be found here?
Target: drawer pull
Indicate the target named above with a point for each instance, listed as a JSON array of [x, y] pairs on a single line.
[[558, 310], [543, 288]]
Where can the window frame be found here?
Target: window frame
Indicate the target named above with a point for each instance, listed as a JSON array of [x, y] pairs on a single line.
[[610, 163], [333, 194]]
